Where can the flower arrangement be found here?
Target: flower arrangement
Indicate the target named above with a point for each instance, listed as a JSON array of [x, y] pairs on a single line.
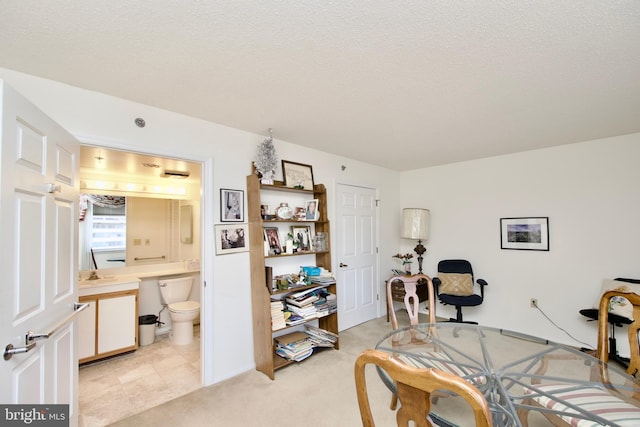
[[406, 258], [406, 262]]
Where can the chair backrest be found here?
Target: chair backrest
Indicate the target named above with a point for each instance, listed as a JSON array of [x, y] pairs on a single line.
[[415, 386], [411, 300], [634, 327], [460, 266]]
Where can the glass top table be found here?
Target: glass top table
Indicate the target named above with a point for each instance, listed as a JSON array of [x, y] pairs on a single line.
[[503, 364]]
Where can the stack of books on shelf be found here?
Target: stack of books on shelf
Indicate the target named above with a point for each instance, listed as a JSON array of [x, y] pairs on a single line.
[[299, 345], [277, 315], [292, 319], [311, 303], [320, 337], [295, 346], [326, 305], [323, 277]]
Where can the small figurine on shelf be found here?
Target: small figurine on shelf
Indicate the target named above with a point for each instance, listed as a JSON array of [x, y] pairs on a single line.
[[302, 277], [406, 261]]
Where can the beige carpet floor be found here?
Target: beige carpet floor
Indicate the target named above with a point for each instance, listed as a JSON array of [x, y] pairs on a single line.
[[319, 391]]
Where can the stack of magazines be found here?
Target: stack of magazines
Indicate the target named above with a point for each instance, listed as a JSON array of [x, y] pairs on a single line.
[[320, 337], [295, 346]]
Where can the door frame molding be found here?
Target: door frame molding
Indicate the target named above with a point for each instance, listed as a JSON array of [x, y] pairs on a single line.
[[207, 241]]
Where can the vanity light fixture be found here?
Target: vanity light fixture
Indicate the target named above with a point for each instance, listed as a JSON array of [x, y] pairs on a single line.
[[131, 187]]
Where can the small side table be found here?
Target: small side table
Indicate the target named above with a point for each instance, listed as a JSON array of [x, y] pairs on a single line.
[[397, 292]]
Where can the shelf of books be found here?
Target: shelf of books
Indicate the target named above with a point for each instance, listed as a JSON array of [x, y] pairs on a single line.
[[294, 302]]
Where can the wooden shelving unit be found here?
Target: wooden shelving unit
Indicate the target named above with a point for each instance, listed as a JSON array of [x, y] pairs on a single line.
[[261, 291]]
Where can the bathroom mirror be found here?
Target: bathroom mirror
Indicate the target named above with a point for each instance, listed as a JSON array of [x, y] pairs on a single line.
[[186, 224], [159, 221], [140, 231]]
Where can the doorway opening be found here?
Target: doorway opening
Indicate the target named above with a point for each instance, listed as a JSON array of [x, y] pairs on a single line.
[[115, 388]]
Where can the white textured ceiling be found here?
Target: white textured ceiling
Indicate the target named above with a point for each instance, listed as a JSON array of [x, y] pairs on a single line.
[[402, 84]]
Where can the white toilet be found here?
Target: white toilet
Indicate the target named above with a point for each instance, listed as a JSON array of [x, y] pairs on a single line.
[[174, 293]]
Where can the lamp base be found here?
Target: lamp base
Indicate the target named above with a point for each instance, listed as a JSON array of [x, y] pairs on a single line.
[[420, 249]]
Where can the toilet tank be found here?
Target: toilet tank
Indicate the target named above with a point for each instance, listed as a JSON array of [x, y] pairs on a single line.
[[176, 289]]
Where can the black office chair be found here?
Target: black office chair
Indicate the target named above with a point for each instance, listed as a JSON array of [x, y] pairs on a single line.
[[454, 286], [614, 321]]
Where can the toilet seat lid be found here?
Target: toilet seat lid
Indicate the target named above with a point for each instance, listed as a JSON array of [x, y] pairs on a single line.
[[185, 306]]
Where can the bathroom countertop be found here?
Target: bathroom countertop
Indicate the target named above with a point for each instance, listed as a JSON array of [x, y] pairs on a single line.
[[108, 284], [163, 273], [114, 283]]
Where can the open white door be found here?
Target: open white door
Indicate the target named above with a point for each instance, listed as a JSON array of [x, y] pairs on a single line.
[[38, 284], [355, 250]]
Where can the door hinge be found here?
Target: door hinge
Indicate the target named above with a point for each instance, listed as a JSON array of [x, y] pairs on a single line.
[[377, 201]]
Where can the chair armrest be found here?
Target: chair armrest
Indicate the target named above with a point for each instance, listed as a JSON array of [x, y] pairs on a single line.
[[436, 285], [482, 284]]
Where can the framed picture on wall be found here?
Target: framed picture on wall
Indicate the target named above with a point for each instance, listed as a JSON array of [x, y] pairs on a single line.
[[231, 205], [232, 238], [527, 233]]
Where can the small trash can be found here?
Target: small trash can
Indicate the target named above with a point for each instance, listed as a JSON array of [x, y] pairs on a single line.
[[147, 329]]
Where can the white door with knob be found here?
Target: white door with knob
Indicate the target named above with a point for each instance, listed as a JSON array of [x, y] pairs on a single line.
[[38, 229], [356, 255]]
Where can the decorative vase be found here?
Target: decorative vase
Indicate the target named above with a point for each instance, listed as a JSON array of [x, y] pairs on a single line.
[[284, 211], [407, 268]]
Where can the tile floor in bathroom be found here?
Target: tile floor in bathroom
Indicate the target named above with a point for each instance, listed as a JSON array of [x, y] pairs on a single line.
[[116, 388]]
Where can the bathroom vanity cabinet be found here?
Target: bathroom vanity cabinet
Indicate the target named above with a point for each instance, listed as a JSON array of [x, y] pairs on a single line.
[[109, 326]]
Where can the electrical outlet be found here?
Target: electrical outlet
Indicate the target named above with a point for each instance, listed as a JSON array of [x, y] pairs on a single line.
[[533, 302]]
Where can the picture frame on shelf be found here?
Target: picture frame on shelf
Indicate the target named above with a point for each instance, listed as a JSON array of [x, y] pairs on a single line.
[[312, 210], [231, 205], [525, 233], [297, 175], [302, 234], [272, 236], [264, 211], [231, 238], [299, 213]]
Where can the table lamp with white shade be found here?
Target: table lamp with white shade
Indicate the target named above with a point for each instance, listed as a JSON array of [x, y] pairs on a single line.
[[415, 225]]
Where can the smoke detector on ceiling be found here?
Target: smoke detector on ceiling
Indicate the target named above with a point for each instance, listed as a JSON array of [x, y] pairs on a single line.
[[174, 174]]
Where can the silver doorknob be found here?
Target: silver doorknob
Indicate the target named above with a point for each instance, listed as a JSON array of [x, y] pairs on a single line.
[[343, 265]]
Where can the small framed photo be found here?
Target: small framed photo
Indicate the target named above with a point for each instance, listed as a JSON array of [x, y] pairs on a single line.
[[299, 213], [264, 211], [232, 238], [271, 235], [297, 175], [311, 210], [231, 205], [529, 233], [302, 235]]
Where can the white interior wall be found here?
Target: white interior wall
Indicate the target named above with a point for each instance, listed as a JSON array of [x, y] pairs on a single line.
[[227, 153], [590, 193]]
